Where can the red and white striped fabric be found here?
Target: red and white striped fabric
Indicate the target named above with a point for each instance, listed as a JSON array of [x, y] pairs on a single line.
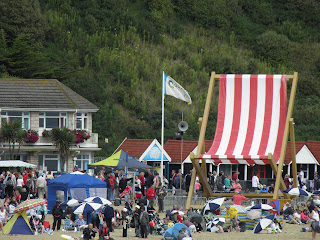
[[251, 119]]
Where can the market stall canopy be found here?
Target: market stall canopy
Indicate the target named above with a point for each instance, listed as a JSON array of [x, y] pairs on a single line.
[[120, 160], [16, 163]]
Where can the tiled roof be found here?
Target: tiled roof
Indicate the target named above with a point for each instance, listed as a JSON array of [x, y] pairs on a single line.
[[135, 147], [173, 148], [40, 93], [313, 146]]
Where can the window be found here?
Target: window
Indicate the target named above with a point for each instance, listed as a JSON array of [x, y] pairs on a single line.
[[49, 162], [260, 170], [82, 121], [51, 120], [24, 117], [82, 161]]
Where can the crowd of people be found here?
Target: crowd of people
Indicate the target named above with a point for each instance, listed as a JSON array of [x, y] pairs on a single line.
[[148, 191]]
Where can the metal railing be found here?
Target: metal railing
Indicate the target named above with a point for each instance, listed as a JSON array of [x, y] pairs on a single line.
[[180, 200]]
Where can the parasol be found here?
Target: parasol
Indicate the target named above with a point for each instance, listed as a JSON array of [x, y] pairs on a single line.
[[29, 204]]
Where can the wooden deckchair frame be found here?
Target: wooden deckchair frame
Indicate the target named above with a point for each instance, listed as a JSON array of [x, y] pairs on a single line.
[[201, 170]]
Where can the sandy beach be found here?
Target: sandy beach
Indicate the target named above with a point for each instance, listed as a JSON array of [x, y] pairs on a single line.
[[290, 231]]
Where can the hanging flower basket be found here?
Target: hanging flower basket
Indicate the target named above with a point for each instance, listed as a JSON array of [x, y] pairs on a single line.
[[81, 135], [30, 136]]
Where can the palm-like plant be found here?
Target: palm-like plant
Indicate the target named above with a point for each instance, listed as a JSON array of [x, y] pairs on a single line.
[[12, 133], [63, 139]]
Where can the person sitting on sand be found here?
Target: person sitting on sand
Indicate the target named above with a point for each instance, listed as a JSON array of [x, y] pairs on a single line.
[[80, 223], [304, 216], [104, 232], [89, 233]]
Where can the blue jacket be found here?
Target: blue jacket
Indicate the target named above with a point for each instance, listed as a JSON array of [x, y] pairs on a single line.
[[108, 212]]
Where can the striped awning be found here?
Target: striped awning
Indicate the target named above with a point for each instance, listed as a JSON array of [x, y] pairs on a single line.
[[251, 119]]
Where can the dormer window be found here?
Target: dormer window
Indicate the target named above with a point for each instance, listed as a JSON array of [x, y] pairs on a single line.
[[49, 120]]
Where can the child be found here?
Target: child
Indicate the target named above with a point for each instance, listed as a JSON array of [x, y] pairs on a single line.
[[274, 227]]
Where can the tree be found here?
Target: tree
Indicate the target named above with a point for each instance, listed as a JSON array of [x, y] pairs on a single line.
[[22, 17], [12, 133], [63, 139]]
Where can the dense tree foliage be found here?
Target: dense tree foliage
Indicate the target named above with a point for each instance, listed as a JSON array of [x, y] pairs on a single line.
[[113, 52]]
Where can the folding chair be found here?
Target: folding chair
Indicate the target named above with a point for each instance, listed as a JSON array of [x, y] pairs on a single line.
[[252, 125]]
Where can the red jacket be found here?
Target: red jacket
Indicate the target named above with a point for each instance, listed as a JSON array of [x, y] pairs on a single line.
[[142, 180], [179, 219], [25, 178], [112, 180], [237, 199], [151, 193]]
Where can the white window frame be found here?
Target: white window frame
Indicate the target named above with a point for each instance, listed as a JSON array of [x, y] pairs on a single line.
[[80, 157], [62, 116], [83, 118], [45, 157], [25, 116]]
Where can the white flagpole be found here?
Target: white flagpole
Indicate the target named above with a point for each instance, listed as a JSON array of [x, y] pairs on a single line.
[[162, 128]]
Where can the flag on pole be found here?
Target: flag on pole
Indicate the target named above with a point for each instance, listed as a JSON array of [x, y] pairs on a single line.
[[172, 88]]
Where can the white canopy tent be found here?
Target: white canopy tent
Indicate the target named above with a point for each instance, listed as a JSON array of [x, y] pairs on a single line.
[[16, 163]]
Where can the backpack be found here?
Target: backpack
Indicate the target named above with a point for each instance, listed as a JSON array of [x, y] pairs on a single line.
[[9, 183], [28, 184]]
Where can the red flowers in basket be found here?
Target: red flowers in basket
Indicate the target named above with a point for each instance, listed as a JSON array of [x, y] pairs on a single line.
[[30, 136], [81, 135]]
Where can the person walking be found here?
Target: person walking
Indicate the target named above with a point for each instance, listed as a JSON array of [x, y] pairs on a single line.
[[161, 192], [136, 218], [144, 220], [108, 213], [57, 213], [151, 194], [41, 186]]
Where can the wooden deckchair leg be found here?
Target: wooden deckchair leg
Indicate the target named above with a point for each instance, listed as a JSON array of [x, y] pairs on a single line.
[[191, 189], [293, 154], [201, 145], [285, 135], [201, 175], [275, 169]]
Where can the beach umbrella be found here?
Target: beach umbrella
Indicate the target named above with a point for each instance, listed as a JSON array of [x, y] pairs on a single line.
[[254, 214], [29, 204], [297, 192], [263, 223], [212, 204], [212, 225], [219, 221], [239, 208], [260, 206], [316, 192], [173, 232], [195, 217], [99, 200], [87, 208], [71, 203], [179, 212]]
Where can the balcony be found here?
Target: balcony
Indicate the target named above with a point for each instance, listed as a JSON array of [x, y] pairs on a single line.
[[45, 143]]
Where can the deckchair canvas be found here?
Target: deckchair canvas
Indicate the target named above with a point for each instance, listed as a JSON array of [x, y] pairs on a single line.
[[252, 124], [251, 119]]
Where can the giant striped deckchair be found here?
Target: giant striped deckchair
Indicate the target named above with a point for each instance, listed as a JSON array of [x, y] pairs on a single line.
[[252, 123]]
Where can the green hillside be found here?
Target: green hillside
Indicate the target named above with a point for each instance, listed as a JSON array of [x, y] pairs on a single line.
[[113, 52]]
